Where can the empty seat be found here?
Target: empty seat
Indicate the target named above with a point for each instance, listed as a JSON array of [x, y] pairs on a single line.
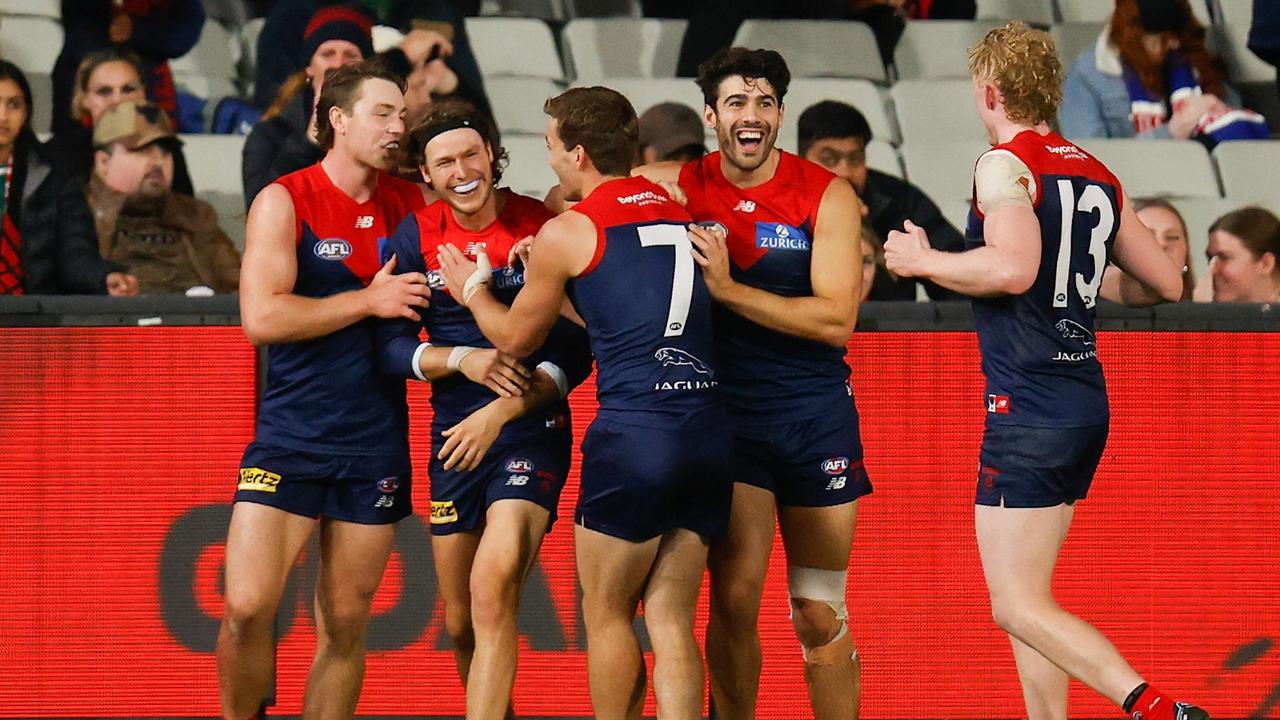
[[1246, 168], [1073, 39], [862, 94], [249, 47], [938, 48], [884, 157], [214, 162], [517, 103], [1236, 12], [1242, 65], [644, 93], [42, 99], [936, 110], [37, 8], [31, 43], [943, 170], [209, 88], [596, 48], [514, 46], [1036, 12], [1176, 168], [818, 48], [1090, 11], [215, 54], [527, 172]]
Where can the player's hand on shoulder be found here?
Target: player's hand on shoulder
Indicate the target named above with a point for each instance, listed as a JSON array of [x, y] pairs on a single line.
[[711, 252], [674, 191], [905, 250], [466, 443], [395, 296], [501, 373], [556, 202]]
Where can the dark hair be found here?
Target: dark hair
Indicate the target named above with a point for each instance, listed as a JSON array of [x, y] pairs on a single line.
[[452, 112], [1127, 32], [23, 143], [750, 64], [602, 122], [831, 119], [93, 61], [341, 89], [1258, 230]]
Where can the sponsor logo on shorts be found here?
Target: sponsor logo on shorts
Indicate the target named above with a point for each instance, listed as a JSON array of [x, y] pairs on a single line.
[[388, 484], [364, 222], [443, 512], [333, 249], [555, 421], [835, 465], [746, 206], [998, 404], [252, 478], [988, 476], [519, 465], [779, 236], [518, 480]]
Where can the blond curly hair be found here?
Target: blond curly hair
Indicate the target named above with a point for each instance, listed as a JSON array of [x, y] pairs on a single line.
[[1023, 64]]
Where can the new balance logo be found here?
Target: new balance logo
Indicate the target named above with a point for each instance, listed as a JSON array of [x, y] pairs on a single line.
[[364, 222]]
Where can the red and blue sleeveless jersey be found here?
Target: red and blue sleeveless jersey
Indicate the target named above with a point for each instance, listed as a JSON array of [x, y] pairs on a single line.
[[325, 394], [416, 244], [1039, 352], [646, 305], [770, 239]]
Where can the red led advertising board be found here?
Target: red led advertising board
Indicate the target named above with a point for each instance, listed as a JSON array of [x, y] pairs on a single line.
[[120, 449]]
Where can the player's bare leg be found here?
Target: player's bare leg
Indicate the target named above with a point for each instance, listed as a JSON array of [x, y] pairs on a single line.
[[352, 559], [453, 555], [1044, 685], [1019, 547], [670, 599], [613, 574], [818, 542], [738, 562], [513, 533], [263, 543]]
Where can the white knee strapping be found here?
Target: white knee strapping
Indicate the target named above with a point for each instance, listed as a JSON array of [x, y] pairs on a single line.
[[828, 586]]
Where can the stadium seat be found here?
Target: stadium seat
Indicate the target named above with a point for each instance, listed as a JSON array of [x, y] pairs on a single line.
[[527, 171], [818, 48], [644, 93], [943, 170], [1247, 169], [938, 48], [884, 157], [598, 48], [517, 103], [212, 89], [31, 43], [514, 46], [1074, 38], [1032, 12], [1173, 168], [214, 55], [249, 50], [1236, 12], [36, 8], [1242, 65], [215, 162], [42, 99], [862, 94], [561, 10], [1089, 11], [936, 110]]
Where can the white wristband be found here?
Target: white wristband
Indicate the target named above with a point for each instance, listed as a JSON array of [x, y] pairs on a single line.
[[417, 361], [457, 355], [480, 277], [557, 375]]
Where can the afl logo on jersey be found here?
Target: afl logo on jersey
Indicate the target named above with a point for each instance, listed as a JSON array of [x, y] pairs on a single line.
[[333, 249]]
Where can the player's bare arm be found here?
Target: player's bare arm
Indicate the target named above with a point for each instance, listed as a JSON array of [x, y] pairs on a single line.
[[828, 315], [1151, 277], [467, 442], [1010, 259], [270, 311], [498, 371], [561, 250]]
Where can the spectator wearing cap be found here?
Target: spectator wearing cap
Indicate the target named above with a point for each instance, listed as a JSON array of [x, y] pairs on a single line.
[[670, 131], [835, 135], [170, 242], [47, 243]]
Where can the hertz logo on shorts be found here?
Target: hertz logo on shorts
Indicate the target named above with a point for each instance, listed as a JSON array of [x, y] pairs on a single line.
[[253, 478], [443, 512]]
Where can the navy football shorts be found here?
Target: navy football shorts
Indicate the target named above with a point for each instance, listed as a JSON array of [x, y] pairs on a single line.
[[365, 489], [807, 463], [532, 469], [1033, 467], [640, 481]]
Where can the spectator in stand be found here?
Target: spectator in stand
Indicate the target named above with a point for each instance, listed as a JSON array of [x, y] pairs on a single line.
[[170, 242], [440, 34], [155, 30], [835, 135], [1166, 223], [872, 259], [671, 131], [1150, 76], [1244, 256], [105, 77], [47, 244]]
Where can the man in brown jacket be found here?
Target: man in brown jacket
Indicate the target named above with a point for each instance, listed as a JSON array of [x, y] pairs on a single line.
[[170, 242]]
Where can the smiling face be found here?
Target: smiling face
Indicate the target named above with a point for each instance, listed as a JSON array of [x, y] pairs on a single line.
[[1239, 275], [458, 165], [746, 119]]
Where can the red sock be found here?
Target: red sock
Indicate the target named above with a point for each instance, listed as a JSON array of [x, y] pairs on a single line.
[[1152, 704]]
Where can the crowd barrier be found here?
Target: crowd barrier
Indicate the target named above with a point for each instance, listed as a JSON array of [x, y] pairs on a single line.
[[122, 423]]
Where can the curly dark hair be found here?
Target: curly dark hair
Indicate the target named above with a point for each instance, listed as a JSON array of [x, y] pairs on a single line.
[[750, 64], [425, 127]]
